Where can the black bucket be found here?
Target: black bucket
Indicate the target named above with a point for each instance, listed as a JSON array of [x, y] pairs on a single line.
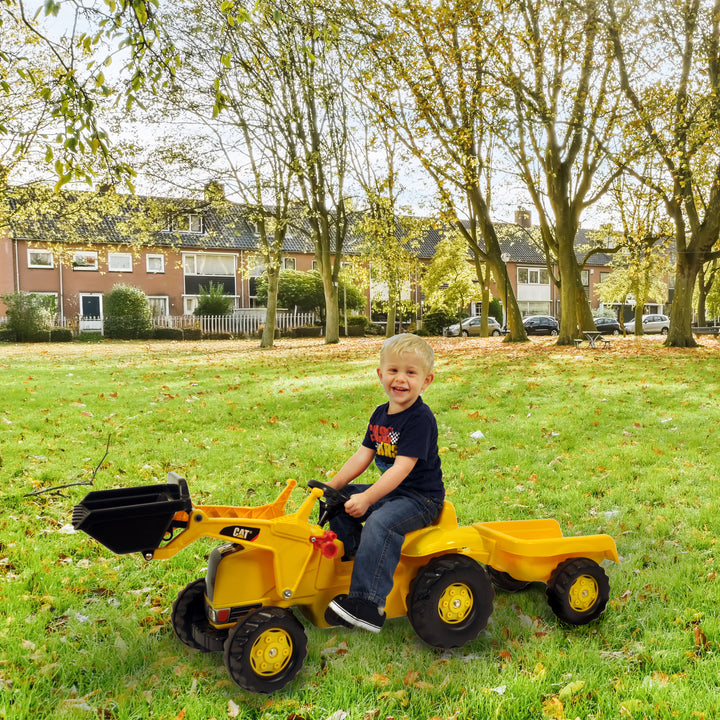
[[134, 519]]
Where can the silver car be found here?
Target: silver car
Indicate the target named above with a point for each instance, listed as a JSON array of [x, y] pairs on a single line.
[[651, 324], [471, 326]]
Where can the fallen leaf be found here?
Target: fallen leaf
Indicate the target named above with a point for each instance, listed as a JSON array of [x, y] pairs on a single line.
[[553, 709], [571, 689]]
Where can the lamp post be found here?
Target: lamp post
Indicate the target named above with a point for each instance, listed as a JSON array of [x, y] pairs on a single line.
[[505, 257]]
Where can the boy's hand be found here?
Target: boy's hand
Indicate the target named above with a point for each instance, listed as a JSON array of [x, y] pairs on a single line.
[[357, 505]]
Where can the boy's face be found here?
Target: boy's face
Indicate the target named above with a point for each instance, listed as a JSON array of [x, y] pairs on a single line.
[[403, 378]]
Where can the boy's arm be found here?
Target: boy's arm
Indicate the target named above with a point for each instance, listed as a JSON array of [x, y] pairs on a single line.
[[359, 503], [354, 466]]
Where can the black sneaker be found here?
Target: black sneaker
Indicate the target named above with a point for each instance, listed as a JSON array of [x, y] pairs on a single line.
[[358, 612], [333, 619]]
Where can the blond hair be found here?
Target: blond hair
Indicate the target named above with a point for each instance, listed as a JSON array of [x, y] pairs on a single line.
[[407, 343]]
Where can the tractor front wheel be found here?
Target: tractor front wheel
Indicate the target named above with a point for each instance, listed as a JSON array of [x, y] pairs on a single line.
[[578, 591], [190, 622], [450, 601], [265, 651]]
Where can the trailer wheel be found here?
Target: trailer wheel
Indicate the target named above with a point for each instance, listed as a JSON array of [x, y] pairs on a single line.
[[265, 651], [190, 622], [504, 581], [450, 601], [578, 591]]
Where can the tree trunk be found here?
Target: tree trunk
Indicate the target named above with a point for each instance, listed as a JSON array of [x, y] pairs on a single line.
[[681, 334], [702, 294], [332, 314], [391, 316], [268, 334]]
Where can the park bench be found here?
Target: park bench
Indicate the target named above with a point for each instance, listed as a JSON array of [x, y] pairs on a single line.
[[706, 330]]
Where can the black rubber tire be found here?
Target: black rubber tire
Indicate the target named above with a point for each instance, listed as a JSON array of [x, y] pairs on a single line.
[[190, 622], [578, 591], [266, 650], [504, 581], [450, 601]]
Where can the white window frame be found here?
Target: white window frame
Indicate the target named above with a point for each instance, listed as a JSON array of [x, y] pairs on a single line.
[[34, 253], [150, 258], [156, 300], [125, 260], [191, 223], [289, 263], [85, 261], [190, 263], [190, 302], [534, 276]]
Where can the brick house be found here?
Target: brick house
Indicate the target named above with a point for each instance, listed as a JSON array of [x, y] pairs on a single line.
[[197, 243]]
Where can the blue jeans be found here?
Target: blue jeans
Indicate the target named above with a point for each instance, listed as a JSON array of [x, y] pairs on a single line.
[[377, 548]]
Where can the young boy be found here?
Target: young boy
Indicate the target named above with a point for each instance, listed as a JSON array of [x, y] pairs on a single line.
[[402, 438]]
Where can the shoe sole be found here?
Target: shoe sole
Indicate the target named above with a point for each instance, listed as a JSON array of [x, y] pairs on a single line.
[[348, 617]]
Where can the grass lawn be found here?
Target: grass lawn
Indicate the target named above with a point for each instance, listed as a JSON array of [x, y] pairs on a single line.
[[620, 441]]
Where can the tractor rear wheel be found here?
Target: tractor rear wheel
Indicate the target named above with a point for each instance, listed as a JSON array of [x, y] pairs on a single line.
[[265, 651], [578, 591], [450, 601]]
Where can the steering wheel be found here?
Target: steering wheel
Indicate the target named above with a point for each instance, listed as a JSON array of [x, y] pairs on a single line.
[[333, 502]]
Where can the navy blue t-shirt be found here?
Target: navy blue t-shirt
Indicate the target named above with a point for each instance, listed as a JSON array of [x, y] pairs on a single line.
[[412, 433]]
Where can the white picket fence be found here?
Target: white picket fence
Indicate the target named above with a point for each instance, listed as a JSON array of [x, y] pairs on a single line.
[[235, 324], [238, 323]]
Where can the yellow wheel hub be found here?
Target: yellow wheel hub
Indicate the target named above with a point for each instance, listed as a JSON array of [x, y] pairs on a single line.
[[455, 603], [271, 652], [583, 593]]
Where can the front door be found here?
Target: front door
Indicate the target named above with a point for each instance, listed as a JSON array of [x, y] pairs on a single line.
[[91, 312]]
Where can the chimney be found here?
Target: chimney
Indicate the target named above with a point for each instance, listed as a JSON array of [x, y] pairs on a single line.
[[523, 218], [214, 191]]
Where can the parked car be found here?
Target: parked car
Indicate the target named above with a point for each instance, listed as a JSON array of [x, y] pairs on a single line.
[[541, 325], [608, 325], [471, 326], [651, 324]]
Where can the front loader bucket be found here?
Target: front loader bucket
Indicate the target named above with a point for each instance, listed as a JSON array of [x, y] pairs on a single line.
[[134, 519]]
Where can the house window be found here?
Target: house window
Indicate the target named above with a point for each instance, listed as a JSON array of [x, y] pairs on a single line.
[[40, 259], [203, 270], [585, 277], [159, 305], [533, 276], [256, 269], [120, 262], [189, 304], [188, 223], [289, 263], [155, 263], [209, 264], [85, 260]]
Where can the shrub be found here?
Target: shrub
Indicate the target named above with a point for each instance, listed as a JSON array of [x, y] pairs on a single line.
[[7, 335], [28, 315], [165, 333], [192, 334], [495, 309], [436, 319], [127, 314], [61, 335], [213, 301]]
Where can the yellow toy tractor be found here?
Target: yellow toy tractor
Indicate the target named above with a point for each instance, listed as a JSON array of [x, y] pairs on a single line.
[[272, 562]]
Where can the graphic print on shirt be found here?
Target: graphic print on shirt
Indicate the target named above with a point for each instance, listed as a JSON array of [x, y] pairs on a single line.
[[386, 440]]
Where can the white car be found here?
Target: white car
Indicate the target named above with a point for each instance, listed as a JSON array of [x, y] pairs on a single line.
[[471, 326], [651, 324]]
